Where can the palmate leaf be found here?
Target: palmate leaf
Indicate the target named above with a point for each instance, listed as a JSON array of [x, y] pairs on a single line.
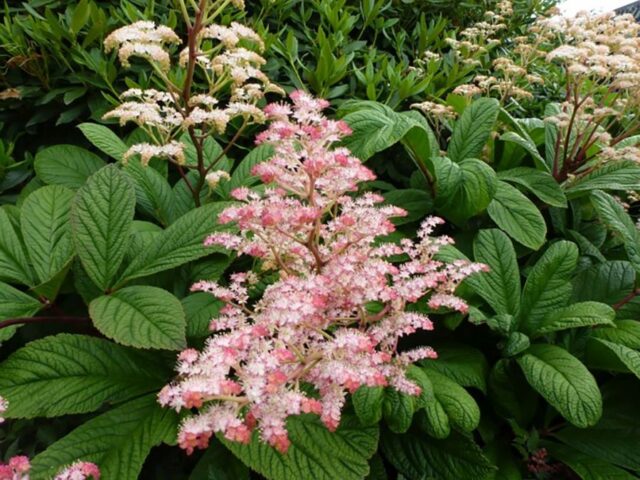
[[44, 219], [101, 218], [564, 382], [117, 441], [315, 453], [141, 316], [68, 374]]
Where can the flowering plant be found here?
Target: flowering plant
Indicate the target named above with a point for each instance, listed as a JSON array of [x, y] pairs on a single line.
[[315, 324]]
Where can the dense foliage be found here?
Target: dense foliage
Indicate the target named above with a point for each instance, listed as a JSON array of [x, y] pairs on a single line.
[[318, 240]]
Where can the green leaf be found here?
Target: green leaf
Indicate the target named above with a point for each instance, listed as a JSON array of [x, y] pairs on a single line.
[[66, 165], [517, 216], [541, 184], [367, 402], [472, 129], [13, 259], [460, 407], [500, 286], [585, 314], [417, 203], [564, 382], [627, 356], [465, 365], [528, 145], [180, 243], [101, 218], [548, 286], [515, 343], [242, 176], [607, 282], [613, 215], [117, 441], [104, 139], [141, 316], [44, 219], [154, 196], [417, 456], [510, 394], [398, 409], [217, 464], [315, 453], [623, 175], [465, 189], [199, 308], [69, 374], [623, 332], [585, 466], [15, 304]]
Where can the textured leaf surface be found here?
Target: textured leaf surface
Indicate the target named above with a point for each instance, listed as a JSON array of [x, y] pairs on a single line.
[[13, 259], [607, 282], [564, 382], [627, 356], [622, 175], [180, 243], [141, 316], [66, 165], [104, 139], [315, 453], [199, 308], [68, 374], [154, 196], [463, 189], [44, 220], [626, 332], [463, 364], [117, 441], [367, 402], [500, 286], [101, 218], [583, 314], [397, 410], [461, 408], [418, 456], [472, 129], [587, 467], [242, 176], [14, 304], [518, 216], [548, 286], [541, 184]]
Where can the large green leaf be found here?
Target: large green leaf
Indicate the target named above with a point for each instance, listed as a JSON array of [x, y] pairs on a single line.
[[398, 409], [465, 189], [613, 215], [585, 466], [69, 374], [472, 129], [417, 203], [44, 219], [548, 286], [465, 365], [242, 176], [628, 357], [500, 286], [180, 243], [104, 139], [66, 165], [564, 382], [528, 144], [622, 175], [199, 308], [141, 316], [13, 259], [585, 314], [460, 407], [623, 332], [541, 184], [417, 456], [518, 216], [367, 403], [15, 304], [117, 441], [607, 282], [101, 218], [154, 196], [315, 453]]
